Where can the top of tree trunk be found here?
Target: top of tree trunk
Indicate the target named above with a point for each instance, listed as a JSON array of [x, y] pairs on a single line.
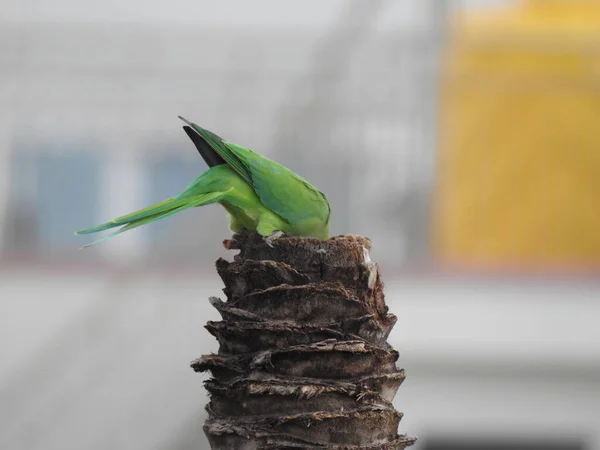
[[303, 361]]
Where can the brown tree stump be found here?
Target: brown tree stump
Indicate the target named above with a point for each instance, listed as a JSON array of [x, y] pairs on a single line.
[[303, 359]]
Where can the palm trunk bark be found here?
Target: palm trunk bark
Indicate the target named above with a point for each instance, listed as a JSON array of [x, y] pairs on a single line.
[[303, 359]]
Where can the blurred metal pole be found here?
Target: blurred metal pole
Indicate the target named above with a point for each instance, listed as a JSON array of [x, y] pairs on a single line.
[[12, 109], [332, 58], [305, 113]]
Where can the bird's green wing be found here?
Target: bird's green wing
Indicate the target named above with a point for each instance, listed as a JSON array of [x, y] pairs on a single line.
[[282, 191], [274, 184]]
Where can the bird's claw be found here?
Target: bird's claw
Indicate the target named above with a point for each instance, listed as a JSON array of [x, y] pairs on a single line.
[[273, 237]]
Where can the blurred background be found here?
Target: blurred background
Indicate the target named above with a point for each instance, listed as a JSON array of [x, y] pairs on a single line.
[[463, 137]]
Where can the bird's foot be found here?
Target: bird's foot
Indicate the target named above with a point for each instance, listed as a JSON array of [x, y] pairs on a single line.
[[273, 237]]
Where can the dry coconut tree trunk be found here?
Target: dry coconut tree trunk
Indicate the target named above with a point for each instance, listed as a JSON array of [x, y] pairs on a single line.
[[303, 361]]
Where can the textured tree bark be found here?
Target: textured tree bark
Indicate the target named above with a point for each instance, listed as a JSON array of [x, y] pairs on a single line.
[[303, 361]]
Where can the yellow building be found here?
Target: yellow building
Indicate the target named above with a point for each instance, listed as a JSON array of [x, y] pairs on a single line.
[[519, 172]]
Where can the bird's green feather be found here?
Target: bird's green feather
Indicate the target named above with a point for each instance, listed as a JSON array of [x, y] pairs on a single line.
[[274, 184], [158, 208], [259, 194], [218, 145], [149, 217]]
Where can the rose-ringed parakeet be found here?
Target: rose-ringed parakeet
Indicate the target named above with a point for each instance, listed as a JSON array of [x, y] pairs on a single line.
[[258, 193]]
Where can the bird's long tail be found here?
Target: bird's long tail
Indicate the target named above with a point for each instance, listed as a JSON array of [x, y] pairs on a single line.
[[151, 214]]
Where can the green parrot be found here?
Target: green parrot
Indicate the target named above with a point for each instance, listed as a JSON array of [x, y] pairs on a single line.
[[259, 194]]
